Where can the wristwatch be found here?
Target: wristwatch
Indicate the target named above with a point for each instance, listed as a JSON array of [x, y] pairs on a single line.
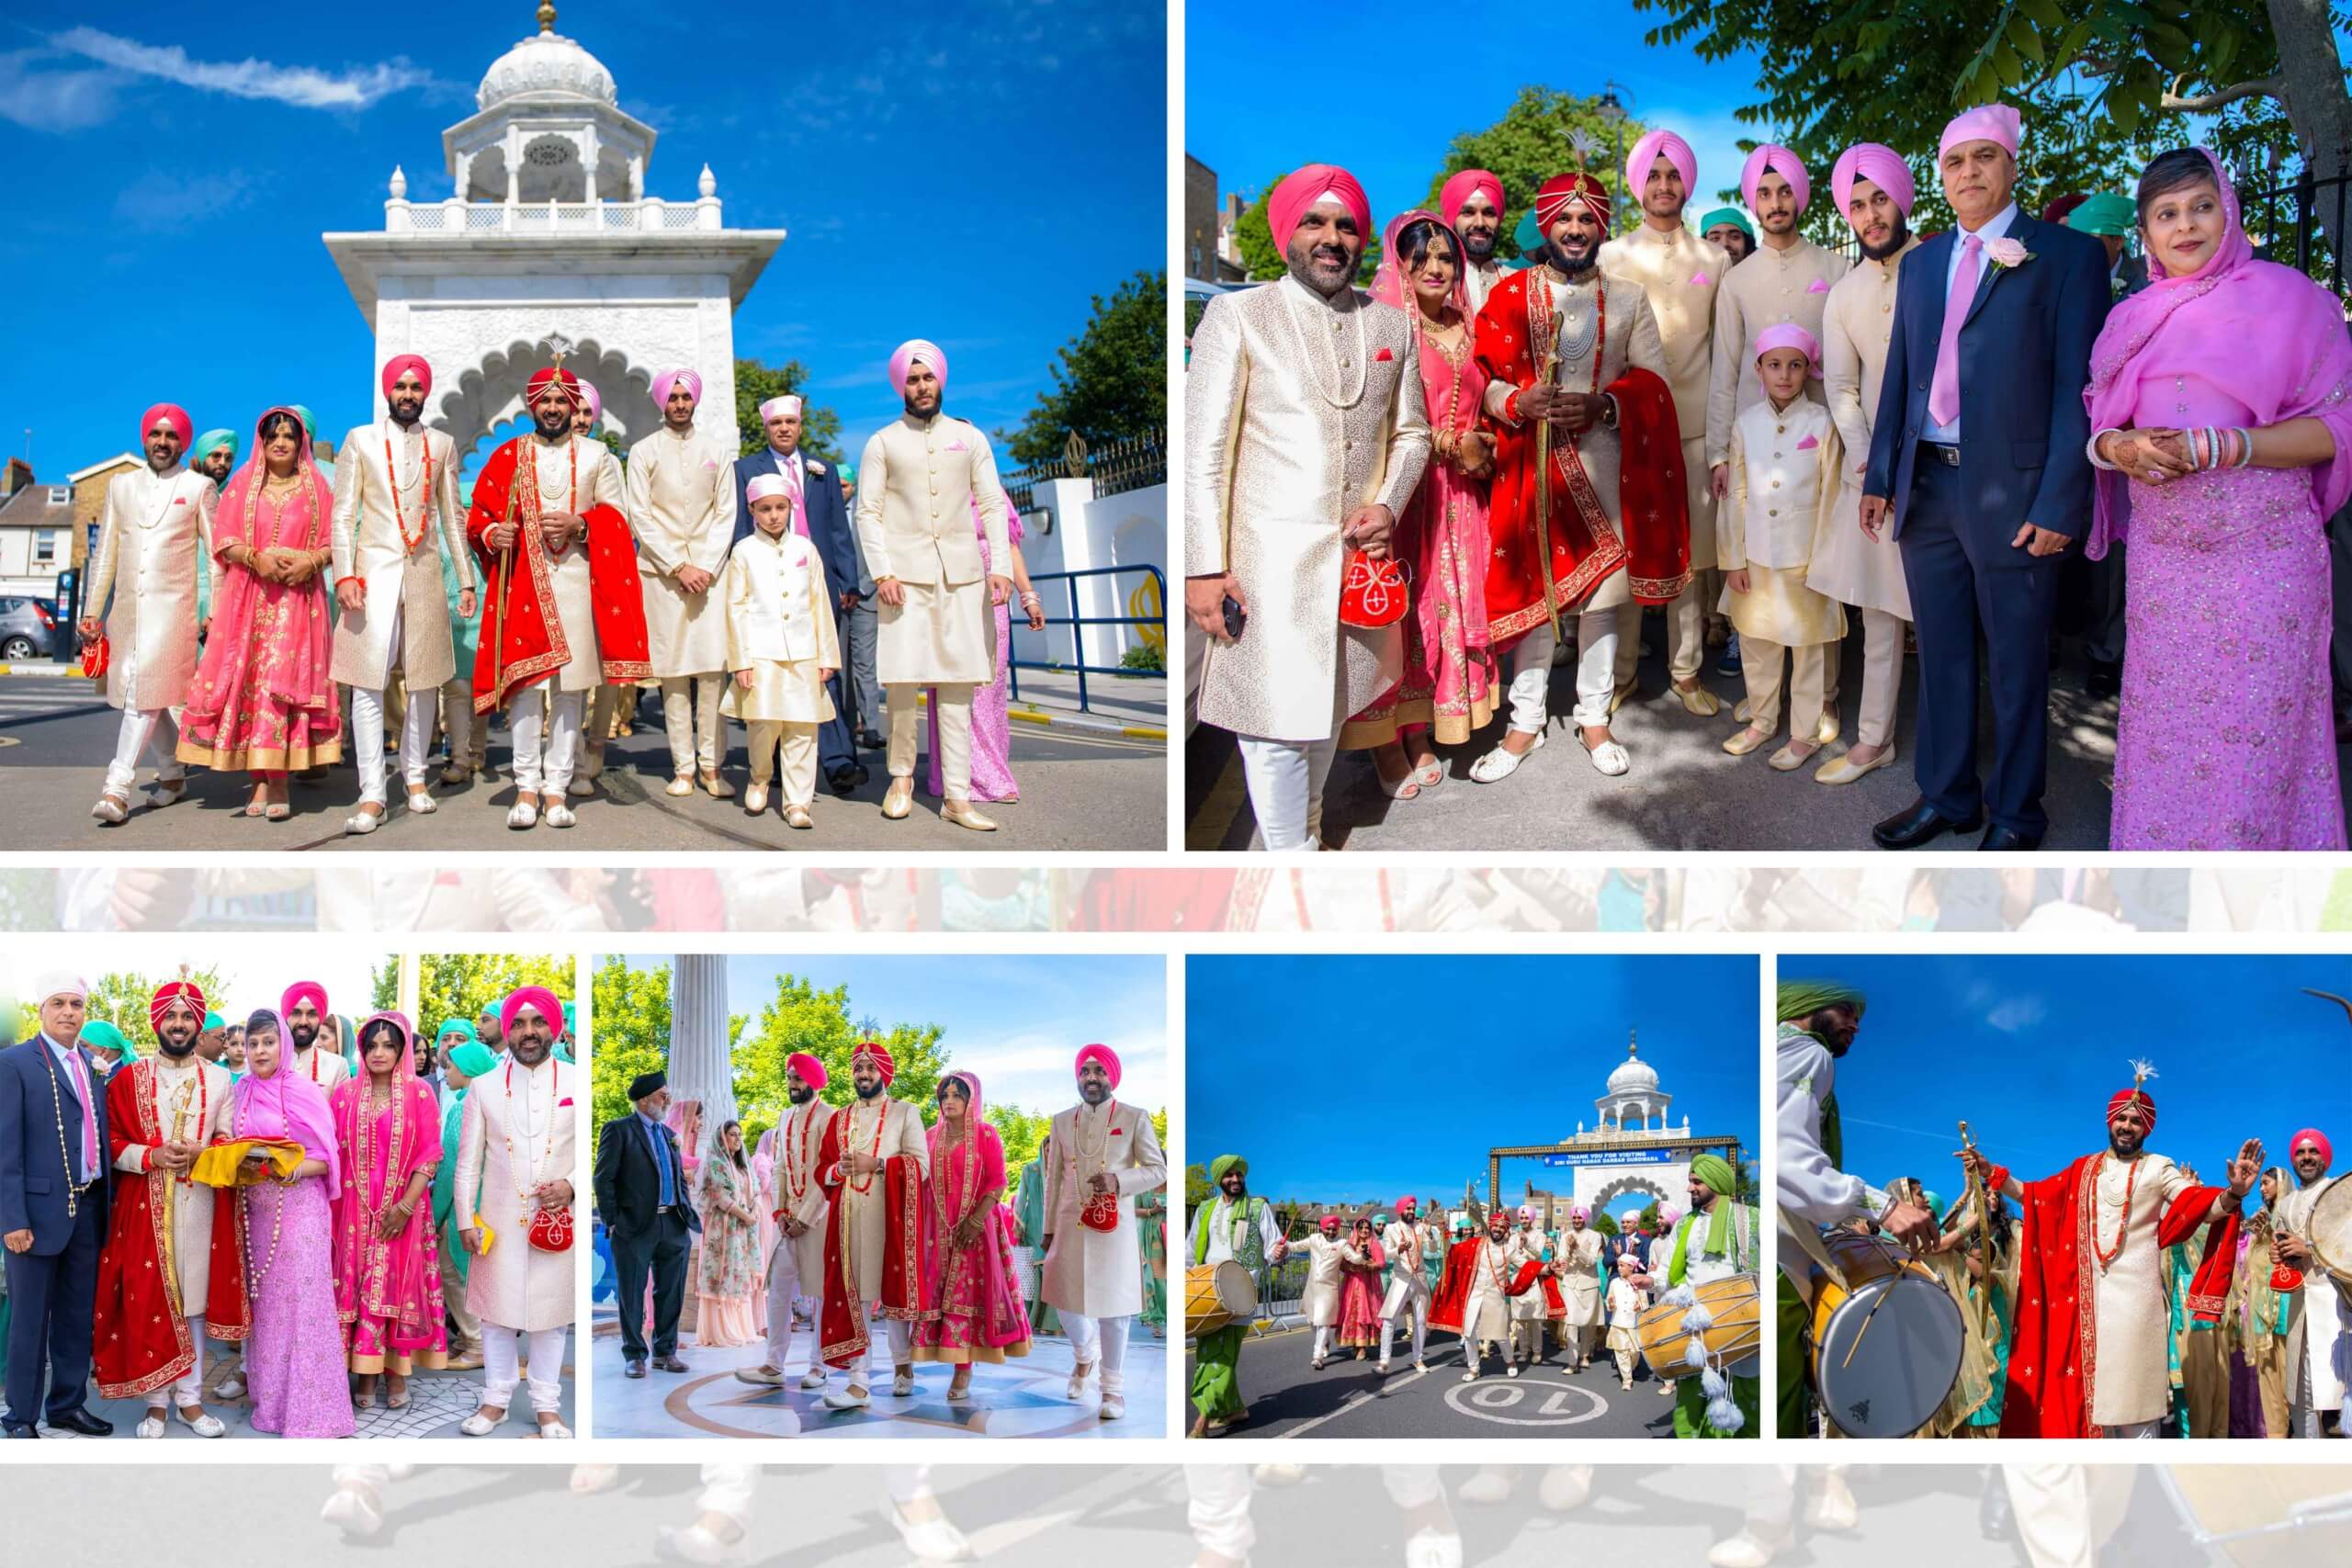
[[1607, 412]]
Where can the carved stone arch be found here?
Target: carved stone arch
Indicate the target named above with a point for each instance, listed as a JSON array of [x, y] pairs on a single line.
[[1605, 1201], [488, 393]]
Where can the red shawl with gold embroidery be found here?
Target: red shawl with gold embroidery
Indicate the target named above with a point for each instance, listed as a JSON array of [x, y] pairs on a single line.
[[841, 1330]]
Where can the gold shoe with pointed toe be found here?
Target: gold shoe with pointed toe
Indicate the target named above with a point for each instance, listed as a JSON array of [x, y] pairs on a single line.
[[960, 812], [898, 799]]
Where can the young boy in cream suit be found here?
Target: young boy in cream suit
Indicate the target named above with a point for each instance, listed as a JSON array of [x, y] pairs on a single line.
[[781, 648]]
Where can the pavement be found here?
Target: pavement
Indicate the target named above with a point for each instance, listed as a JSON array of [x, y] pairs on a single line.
[[1085, 784], [1022, 1397], [437, 1402], [1287, 1398], [1684, 791]]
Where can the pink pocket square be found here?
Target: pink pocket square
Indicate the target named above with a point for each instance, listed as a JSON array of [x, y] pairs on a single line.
[[565, 1104], [179, 501], [956, 446], [1697, 280], [1808, 443], [1817, 287], [1383, 358]]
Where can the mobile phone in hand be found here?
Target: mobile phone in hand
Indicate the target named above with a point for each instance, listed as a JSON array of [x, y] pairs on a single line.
[[1235, 617]]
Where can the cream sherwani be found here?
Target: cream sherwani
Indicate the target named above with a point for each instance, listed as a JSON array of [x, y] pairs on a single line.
[[1785, 468], [323, 1066], [1479, 281], [1092, 1273], [544, 717], [1527, 1308], [893, 1130], [1764, 290], [2132, 1384], [1486, 1310], [515, 1133], [2319, 1348], [779, 627], [682, 509], [1407, 1285], [919, 481], [1320, 1299], [796, 1270], [193, 1100], [1680, 273], [154, 539], [1580, 1254]]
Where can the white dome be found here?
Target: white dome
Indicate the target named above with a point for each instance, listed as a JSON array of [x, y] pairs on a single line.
[[546, 65], [1632, 1075]]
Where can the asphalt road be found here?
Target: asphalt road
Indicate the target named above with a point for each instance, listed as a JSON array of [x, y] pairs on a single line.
[[1287, 1398], [1079, 790], [1684, 791]]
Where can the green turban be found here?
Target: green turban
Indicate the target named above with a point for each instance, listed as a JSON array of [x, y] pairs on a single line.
[[1731, 215], [849, 473], [456, 1026], [1527, 236], [100, 1036], [310, 424], [1716, 1172], [213, 1020], [2107, 212], [1803, 999], [473, 1059], [1935, 1204], [570, 1021], [1223, 1163]]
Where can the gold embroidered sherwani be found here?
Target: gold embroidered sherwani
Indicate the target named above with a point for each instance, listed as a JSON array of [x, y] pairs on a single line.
[[403, 585], [1680, 273], [154, 538]]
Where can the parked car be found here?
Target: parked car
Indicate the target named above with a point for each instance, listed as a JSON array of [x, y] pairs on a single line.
[[30, 629]]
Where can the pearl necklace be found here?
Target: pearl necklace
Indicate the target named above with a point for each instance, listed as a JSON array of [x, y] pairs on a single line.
[[1314, 371], [879, 1122], [533, 1164]]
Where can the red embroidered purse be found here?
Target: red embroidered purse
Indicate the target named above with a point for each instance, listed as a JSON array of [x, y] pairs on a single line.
[[1373, 593]]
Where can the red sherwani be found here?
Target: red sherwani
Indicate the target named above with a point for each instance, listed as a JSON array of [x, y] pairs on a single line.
[[521, 642], [141, 1341]]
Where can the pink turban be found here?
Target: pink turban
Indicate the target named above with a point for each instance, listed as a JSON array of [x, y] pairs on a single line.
[[1646, 153], [764, 486], [2123, 1097], [1986, 122], [812, 1071], [1459, 189], [1785, 163], [663, 383], [2317, 1139], [1579, 1212], [538, 998], [297, 991], [903, 360], [1556, 195], [1882, 165], [1526, 1212], [1330, 1222], [1668, 1213], [1408, 1204], [1788, 334], [593, 398], [1102, 1053], [1315, 183], [174, 994], [399, 363], [880, 1055], [170, 414], [784, 402]]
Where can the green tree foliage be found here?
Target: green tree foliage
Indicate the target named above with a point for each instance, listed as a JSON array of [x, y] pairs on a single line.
[[802, 1018], [121, 999], [1606, 1225], [459, 985], [1110, 381], [1253, 234], [821, 428], [1021, 1131], [1198, 1188], [632, 1031], [1532, 142]]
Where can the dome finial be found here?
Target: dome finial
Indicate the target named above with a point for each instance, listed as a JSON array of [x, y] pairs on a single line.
[[1632, 1042], [547, 16]]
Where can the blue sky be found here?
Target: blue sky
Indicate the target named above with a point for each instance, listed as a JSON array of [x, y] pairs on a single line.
[[1018, 1021], [1394, 137], [2029, 1049], [972, 171], [1363, 1077]]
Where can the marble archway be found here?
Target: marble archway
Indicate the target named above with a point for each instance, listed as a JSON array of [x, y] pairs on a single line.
[[488, 393], [1606, 1201]]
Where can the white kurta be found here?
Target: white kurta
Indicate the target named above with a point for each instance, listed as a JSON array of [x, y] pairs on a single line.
[[2323, 1333], [323, 1067], [681, 508], [777, 626], [1406, 1247], [800, 1194], [895, 1129], [1220, 1217], [377, 511], [917, 484], [1092, 1273], [1528, 1247], [1680, 273], [192, 1101], [1321, 1300], [1783, 476], [2131, 1381], [1857, 326], [1580, 1254], [516, 1133], [154, 538], [1485, 1312], [1765, 289], [597, 483], [1479, 282]]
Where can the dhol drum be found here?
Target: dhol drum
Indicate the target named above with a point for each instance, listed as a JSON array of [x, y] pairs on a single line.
[[1731, 1341], [1217, 1294], [2268, 1515], [2331, 1228], [1886, 1345]]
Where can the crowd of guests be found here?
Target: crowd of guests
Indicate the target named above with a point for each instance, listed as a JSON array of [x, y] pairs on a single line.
[[339, 1206], [876, 1234], [1952, 440], [247, 617]]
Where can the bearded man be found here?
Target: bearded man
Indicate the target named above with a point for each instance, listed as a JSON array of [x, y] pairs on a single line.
[[871, 1165], [1239, 1228], [1104, 1154], [1472, 200], [1407, 1244], [2319, 1346], [797, 1270], [311, 1035], [1476, 1292], [684, 520]]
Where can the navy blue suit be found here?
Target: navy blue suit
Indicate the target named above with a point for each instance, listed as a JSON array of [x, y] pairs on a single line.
[[836, 542], [53, 1287], [2025, 349]]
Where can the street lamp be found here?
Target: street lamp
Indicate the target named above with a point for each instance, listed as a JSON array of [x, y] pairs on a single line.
[[1612, 110]]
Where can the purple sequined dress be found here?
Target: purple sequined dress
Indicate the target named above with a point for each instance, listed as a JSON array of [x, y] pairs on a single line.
[[992, 705], [294, 1362], [2227, 734]]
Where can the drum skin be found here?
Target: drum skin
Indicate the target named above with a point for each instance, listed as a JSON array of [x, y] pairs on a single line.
[[1887, 1379], [2302, 1513], [2331, 1228], [1216, 1293], [1736, 1334]]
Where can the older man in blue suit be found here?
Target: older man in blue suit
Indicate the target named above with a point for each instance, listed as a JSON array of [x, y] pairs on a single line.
[[1978, 458], [822, 514], [53, 1164]]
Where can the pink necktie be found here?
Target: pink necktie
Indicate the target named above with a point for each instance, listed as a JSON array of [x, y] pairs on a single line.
[[89, 1118], [799, 498], [1943, 392]]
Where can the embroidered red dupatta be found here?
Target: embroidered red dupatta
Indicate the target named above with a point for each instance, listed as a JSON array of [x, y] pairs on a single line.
[[906, 1260]]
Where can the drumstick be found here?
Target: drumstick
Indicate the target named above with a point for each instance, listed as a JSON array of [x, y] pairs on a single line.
[[1865, 1328]]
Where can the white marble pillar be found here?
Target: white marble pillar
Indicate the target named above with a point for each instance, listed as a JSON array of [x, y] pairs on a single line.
[[699, 1067]]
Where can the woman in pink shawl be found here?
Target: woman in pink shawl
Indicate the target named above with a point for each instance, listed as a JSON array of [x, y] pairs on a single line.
[[1448, 688], [2221, 401], [261, 701], [991, 705], [387, 1254], [294, 1370], [975, 1311], [1360, 1291]]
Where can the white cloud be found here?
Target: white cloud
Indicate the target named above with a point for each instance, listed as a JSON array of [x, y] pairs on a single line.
[[299, 85], [52, 100], [163, 204], [2014, 1015]]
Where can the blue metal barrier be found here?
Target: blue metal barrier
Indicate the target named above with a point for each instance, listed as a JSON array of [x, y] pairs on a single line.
[[1159, 586]]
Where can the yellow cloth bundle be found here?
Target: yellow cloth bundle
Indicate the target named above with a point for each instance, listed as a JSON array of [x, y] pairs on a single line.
[[224, 1165]]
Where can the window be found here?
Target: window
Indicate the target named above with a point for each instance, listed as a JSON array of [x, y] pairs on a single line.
[[45, 546]]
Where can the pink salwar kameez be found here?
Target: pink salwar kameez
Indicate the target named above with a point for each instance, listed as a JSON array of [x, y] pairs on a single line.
[[1359, 1296], [975, 1307], [388, 1289]]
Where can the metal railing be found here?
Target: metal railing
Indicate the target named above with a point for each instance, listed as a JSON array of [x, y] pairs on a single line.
[[1132, 462], [652, 215], [2295, 237], [1078, 623]]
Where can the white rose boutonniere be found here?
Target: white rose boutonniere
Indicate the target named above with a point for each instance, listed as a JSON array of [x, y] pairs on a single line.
[[2007, 253]]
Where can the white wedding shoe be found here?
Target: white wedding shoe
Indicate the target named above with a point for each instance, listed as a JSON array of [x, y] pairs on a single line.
[[1500, 763]]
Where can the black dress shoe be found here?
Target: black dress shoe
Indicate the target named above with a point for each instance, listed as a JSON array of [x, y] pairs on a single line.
[[17, 1430], [2103, 680], [80, 1420], [633, 1368], [870, 741], [1999, 837], [1916, 824], [669, 1363], [846, 779]]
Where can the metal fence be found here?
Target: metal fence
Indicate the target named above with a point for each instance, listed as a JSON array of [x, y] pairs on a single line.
[[2285, 224], [1077, 623], [1130, 463]]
